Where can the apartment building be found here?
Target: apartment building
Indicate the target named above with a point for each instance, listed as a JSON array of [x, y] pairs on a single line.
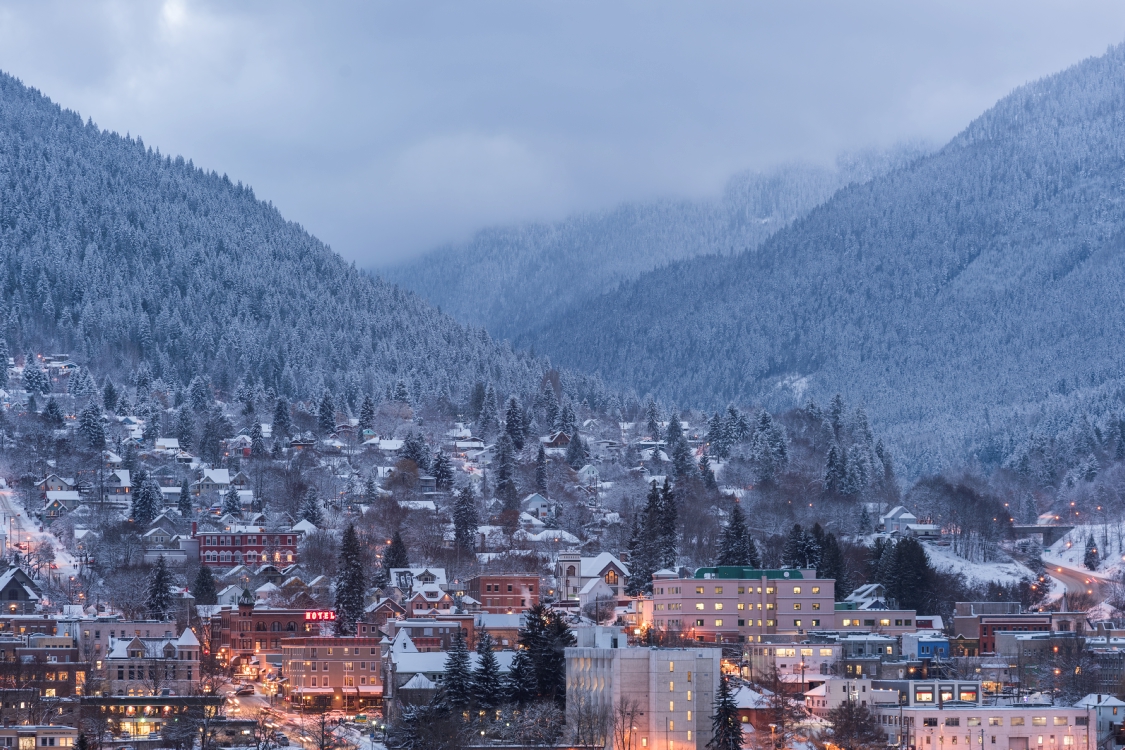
[[334, 673], [730, 604], [153, 666], [250, 545], [1019, 727], [504, 594], [671, 689]]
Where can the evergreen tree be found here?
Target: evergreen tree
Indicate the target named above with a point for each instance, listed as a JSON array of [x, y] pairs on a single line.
[[801, 549], [366, 414], [199, 395], [81, 743], [734, 545], [513, 423], [34, 379], [457, 688], [520, 686], [683, 463], [203, 589], [488, 688], [487, 422], [91, 427], [465, 520], [855, 727], [551, 409], [401, 394], [53, 413], [185, 428], [310, 508], [158, 603], [726, 728], [326, 415], [635, 584], [833, 565], [754, 557], [351, 583], [442, 469], [506, 489], [652, 420], [558, 637], [416, 449], [396, 555], [147, 501], [908, 576], [257, 440], [4, 367], [282, 423], [184, 502], [669, 527], [706, 472], [370, 490], [576, 453], [541, 472], [835, 471], [1090, 559], [231, 503]]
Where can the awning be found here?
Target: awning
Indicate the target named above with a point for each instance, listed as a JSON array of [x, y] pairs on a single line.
[[313, 691], [370, 689]]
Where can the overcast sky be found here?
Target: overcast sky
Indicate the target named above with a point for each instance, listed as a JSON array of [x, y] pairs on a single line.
[[388, 128]]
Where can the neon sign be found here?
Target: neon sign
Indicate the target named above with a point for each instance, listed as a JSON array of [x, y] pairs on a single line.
[[320, 615]]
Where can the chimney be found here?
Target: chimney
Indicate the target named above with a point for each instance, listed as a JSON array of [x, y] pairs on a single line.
[[194, 527]]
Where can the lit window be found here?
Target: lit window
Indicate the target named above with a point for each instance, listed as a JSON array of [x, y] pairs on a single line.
[[796, 589], [699, 605], [718, 589], [816, 589], [796, 605], [718, 605], [718, 623]]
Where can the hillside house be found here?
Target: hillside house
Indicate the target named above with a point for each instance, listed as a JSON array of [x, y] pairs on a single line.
[[897, 520], [573, 572]]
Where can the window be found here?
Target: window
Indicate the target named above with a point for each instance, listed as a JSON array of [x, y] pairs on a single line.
[[671, 705], [1068, 739], [885, 622], [796, 589], [742, 589], [806, 652], [718, 623], [968, 694], [796, 623], [995, 721], [816, 589], [699, 623], [796, 605], [671, 666], [816, 605], [699, 605], [741, 606], [769, 623], [1080, 721], [1060, 721], [718, 589], [671, 686], [718, 605], [953, 722], [1016, 721], [769, 589], [1038, 721], [846, 623], [974, 721], [929, 722], [769, 605], [699, 589], [825, 651], [610, 578]]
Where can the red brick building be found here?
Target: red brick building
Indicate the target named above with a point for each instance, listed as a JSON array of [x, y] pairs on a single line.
[[248, 635], [249, 545], [505, 594]]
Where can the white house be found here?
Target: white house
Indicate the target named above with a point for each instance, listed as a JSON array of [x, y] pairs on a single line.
[[897, 520]]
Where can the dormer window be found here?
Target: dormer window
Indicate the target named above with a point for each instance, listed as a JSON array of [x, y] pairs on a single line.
[[611, 577]]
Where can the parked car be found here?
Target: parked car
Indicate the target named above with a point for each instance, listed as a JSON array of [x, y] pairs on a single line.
[[245, 690], [281, 739]]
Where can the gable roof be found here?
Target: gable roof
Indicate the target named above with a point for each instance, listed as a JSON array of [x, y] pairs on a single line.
[[595, 566]]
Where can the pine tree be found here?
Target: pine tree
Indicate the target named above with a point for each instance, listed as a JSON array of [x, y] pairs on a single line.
[[551, 409], [734, 543], [159, 601], [366, 414], [576, 453], [908, 576], [706, 472], [231, 502], [282, 423], [855, 727], [832, 565], [635, 584], [401, 394], [520, 687], [370, 490], [147, 501], [199, 395], [506, 489], [652, 421], [487, 686], [4, 355], [185, 428], [53, 413], [801, 549], [442, 470], [416, 449], [310, 508], [351, 583], [558, 637], [675, 430], [326, 415], [457, 687], [487, 421], [669, 527], [257, 441], [752, 550], [396, 555], [465, 520], [34, 379], [513, 423], [541, 472], [683, 464], [81, 743], [203, 589], [91, 427], [184, 502], [1090, 559], [726, 728]]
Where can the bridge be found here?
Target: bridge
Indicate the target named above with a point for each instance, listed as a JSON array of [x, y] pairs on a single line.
[[1051, 533]]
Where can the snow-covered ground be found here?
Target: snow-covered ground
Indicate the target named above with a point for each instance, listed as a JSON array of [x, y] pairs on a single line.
[[1005, 572], [1071, 549]]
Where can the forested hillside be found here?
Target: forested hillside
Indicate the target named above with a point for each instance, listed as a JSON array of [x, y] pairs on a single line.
[[129, 259], [966, 297], [515, 279]]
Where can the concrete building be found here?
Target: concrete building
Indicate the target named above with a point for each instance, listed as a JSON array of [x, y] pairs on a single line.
[[334, 673], [1020, 727], [731, 604], [670, 694]]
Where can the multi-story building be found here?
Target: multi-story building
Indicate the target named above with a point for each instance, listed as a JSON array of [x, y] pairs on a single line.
[[29, 736], [91, 636], [1019, 727], [153, 666], [573, 572], [669, 692], [250, 632], [250, 545], [434, 633], [333, 673], [730, 604], [504, 594]]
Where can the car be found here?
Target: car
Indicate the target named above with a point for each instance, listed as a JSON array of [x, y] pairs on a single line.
[[245, 690], [281, 739]]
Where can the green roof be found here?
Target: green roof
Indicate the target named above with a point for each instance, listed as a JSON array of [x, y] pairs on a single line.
[[847, 605], [736, 572]]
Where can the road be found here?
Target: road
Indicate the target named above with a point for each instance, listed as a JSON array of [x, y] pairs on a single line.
[[298, 728], [1077, 580], [23, 529]]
